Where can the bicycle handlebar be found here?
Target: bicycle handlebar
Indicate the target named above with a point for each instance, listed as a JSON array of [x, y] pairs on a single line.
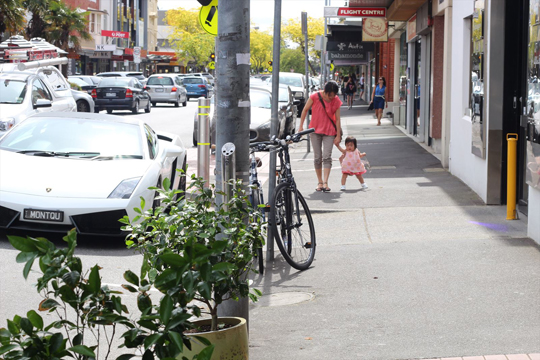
[[268, 145]]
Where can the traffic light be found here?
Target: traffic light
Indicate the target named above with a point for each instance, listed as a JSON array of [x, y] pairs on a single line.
[[270, 63], [212, 56], [204, 2]]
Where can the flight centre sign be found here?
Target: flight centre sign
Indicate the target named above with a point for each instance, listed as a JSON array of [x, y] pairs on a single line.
[[363, 12]]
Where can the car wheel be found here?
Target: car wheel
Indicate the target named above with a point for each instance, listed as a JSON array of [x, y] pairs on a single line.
[[109, 111], [136, 108], [177, 102], [83, 106], [154, 103], [148, 108]]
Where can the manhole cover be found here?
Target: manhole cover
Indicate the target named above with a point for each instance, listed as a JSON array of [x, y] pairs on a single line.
[[285, 298]]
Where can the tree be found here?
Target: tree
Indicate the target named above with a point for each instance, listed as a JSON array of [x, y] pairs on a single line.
[[66, 26], [37, 26], [260, 49], [292, 59], [292, 32], [191, 42], [11, 16]]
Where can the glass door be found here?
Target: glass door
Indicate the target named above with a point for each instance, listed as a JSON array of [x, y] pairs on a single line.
[[417, 89]]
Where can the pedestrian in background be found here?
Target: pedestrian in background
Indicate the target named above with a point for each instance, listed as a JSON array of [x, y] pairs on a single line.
[[351, 90], [362, 83], [344, 88], [326, 120], [351, 162], [379, 99]]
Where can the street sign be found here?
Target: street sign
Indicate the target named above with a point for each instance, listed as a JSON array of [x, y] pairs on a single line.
[[208, 17], [331, 67], [115, 34], [105, 47], [137, 54], [270, 68], [212, 65]]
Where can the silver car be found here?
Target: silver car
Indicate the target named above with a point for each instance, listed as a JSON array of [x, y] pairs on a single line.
[[166, 88]]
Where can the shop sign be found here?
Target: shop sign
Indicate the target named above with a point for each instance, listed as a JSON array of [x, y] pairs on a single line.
[[411, 28], [348, 46], [374, 29], [355, 12], [115, 34], [101, 55], [334, 55], [106, 47], [126, 63]]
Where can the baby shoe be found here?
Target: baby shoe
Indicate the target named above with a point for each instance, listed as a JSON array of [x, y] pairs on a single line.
[[364, 186], [343, 188]]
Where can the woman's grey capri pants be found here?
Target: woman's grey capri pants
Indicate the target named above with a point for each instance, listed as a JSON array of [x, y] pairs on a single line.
[[322, 150]]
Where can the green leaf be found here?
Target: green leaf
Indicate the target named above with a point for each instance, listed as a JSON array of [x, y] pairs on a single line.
[[165, 309], [167, 183], [176, 338], [131, 277], [125, 357], [206, 353], [143, 302], [83, 350], [206, 271], [151, 340], [205, 290], [129, 288], [8, 348], [22, 244], [72, 279], [48, 304], [56, 342], [94, 281], [77, 340], [165, 280], [27, 268], [172, 259], [13, 327], [26, 256], [68, 296], [223, 266], [27, 326]]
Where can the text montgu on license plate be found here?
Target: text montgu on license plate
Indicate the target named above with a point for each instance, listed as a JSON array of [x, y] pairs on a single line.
[[44, 215]]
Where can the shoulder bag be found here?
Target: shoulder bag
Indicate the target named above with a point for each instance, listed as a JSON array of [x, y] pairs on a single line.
[[329, 118]]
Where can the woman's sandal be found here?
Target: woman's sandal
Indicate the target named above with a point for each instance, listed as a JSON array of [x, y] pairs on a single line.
[[319, 187], [325, 188]]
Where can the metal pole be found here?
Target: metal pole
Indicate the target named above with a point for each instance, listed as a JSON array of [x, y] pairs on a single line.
[[233, 104], [274, 121], [511, 213], [203, 140], [306, 90], [323, 52]]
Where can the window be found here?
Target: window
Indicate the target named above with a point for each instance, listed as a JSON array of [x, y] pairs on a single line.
[[39, 91], [477, 62], [92, 23], [152, 141]]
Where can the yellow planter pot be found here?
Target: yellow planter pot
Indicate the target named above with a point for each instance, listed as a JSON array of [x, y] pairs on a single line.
[[231, 343]]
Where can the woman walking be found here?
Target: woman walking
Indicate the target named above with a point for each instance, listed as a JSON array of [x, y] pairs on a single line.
[[326, 120], [351, 90], [379, 99]]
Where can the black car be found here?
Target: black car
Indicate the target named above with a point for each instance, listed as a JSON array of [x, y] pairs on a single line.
[[121, 93]]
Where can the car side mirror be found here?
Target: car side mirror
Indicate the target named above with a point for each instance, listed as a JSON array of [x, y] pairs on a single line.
[[172, 150], [42, 103]]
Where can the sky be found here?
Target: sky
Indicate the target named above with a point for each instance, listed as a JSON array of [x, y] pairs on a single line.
[[262, 11]]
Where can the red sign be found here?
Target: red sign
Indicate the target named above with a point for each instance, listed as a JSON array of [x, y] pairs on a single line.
[[361, 12], [115, 34]]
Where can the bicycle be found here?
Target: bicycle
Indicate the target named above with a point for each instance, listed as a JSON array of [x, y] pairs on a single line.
[[290, 217], [256, 195]]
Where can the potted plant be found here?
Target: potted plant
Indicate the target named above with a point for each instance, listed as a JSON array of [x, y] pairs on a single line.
[[194, 249], [89, 313]]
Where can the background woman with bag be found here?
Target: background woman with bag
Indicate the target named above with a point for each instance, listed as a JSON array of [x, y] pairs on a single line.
[[325, 119], [379, 98]]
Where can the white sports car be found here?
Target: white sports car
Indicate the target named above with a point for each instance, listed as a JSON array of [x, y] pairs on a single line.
[[83, 170]]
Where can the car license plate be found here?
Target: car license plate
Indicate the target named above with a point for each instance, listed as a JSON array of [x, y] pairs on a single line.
[[110, 94], [44, 215], [159, 90]]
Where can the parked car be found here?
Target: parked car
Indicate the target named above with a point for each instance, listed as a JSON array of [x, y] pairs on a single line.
[[82, 84], [31, 91], [261, 114], [167, 88], [84, 101], [197, 86], [208, 77], [136, 74], [93, 169], [121, 93], [297, 82], [89, 79]]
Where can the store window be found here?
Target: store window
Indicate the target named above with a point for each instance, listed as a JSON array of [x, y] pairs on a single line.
[[532, 169], [476, 83], [403, 59]]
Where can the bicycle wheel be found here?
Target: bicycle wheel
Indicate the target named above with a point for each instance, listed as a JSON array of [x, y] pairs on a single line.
[[293, 227], [257, 198]]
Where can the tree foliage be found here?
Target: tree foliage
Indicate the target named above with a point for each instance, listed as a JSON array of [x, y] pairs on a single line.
[[66, 26], [292, 59], [37, 26], [191, 43], [292, 33], [260, 49], [11, 16]]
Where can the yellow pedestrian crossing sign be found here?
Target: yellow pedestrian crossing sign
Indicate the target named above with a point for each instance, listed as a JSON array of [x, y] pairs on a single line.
[[331, 67], [208, 17], [212, 65], [270, 68]]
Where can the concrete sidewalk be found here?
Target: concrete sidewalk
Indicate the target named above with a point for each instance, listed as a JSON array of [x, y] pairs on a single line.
[[414, 267]]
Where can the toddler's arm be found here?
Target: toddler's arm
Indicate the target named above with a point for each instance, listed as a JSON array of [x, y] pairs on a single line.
[[362, 155], [340, 149]]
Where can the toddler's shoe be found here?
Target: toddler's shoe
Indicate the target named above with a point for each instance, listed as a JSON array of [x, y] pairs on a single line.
[[364, 186], [343, 188]]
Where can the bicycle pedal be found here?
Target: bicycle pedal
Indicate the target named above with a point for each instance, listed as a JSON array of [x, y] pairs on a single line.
[[308, 245]]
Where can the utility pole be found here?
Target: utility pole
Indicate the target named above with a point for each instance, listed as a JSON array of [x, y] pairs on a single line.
[[306, 91], [274, 121], [233, 104]]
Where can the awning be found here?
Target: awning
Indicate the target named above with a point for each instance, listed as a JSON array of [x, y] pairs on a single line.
[[402, 10]]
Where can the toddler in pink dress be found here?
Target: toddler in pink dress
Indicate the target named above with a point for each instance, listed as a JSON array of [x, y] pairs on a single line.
[[351, 162]]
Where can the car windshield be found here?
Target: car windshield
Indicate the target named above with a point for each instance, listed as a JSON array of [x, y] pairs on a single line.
[[159, 80], [12, 91], [122, 82], [58, 135], [283, 95], [260, 99], [78, 81], [193, 81], [137, 76], [290, 80]]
